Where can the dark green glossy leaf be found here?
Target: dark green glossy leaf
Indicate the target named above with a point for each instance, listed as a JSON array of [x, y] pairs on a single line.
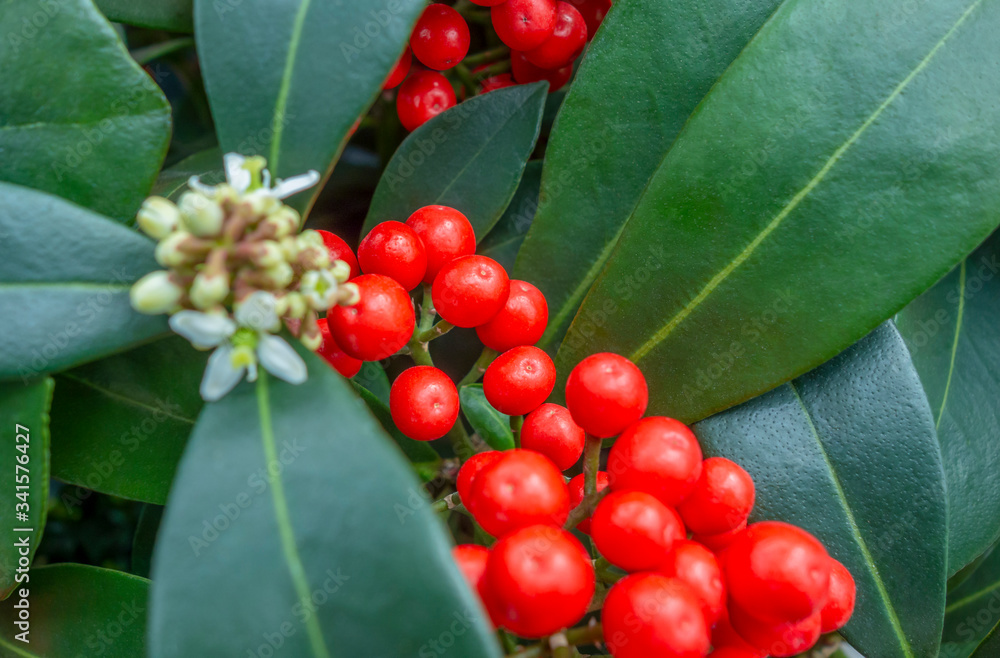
[[120, 424], [144, 540], [952, 331], [287, 79], [470, 158], [78, 610], [973, 608], [171, 15], [990, 646], [64, 281], [207, 164], [811, 196], [609, 137], [80, 119], [418, 452], [340, 521], [849, 453], [24, 473], [503, 242], [490, 424], [372, 378]]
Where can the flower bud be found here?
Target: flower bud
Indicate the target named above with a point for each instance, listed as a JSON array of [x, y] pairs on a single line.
[[319, 289], [290, 248], [169, 253], [310, 335], [348, 294], [261, 204], [269, 254], [297, 306], [284, 220], [202, 216], [155, 293], [311, 238], [312, 258], [280, 275], [158, 217], [341, 271], [209, 289]]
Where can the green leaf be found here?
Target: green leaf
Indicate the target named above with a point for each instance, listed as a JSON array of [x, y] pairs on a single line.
[[340, 521], [120, 424], [973, 608], [990, 646], [287, 79], [811, 196], [952, 333], [64, 282], [490, 424], [470, 158], [373, 379], [80, 118], [504, 241], [848, 452], [79, 610], [171, 15], [24, 442], [144, 540], [206, 164], [418, 452], [608, 139]]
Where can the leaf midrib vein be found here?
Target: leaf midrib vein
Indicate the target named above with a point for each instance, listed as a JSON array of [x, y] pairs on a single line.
[[124, 399], [281, 102], [954, 344], [972, 597]]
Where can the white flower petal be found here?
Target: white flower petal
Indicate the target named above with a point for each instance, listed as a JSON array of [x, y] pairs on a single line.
[[295, 184], [259, 311], [220, 374], [279, 359], [237, 176], [195, 184], [203, 330]]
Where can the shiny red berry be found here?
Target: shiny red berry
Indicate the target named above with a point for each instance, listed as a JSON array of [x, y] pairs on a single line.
[[565, 43], [340, 250], [379, 324], [635, 531], [606, 393], [522, 320], [423, 96], [471, 560], [697, 566], [593, 12], [424, 403], [440, 39], [840, 604], [658, 455], [736, 652], [718, 543], [399, 71], [525, 72], [342, 362], [524, 24], [446, 233], [519, 489], [649, 614], [519, 380], [728, 643], [576, 495], [470, 291], [395, 250], [550, 430], [721, 500], [467, 474], [777, 640], [496, 82], [488, 3], [541, 580]]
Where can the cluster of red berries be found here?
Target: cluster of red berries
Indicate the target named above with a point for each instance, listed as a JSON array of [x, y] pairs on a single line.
[[738, 591]]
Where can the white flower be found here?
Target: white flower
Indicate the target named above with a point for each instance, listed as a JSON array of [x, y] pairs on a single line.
[[319, 287], [202, 215], [241, 179]]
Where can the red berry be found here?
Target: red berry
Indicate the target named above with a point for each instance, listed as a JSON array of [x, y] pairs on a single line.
[[395, 250], [488, 3], [576, 495], [779, 571], [721, 500], [467, 474], [658, 455], [720, 542], [565, 43], [446, 234], [379, 324], [649, 614], [519, 489], [550, 430], [606, 393], [470, 291], [725, 637], [496, 82], [840, 606], [424, 403], [340, 250], [524, 24], [522, 320], [540, 579], [440, 39], [422, 97], [525, 72], [635, 531], [736, 652], [343, 363], [696, 565], [471, 560], [778, 640], [399, 71], [593, 12], [519, 380]]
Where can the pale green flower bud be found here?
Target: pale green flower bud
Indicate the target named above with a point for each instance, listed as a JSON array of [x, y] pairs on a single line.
[[202, 216], [208, 290], [284, 220], [311, 238], [158, 217], [169, 253], [310, 335], [297, 306], [261, 203], [270, 254], [348, 294], [290, 248], [312, 258], [319, 289], [281, 274], [341, 271], [155, 293]]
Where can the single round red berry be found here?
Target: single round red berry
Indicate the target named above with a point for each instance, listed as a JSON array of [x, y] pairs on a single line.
[[395, 250], [606, 393], [496, 82], [540, 579], [440, 39], [649, 614], [525, 72], [340, 250], [424, 403], [635, 531], [399, 71], [470, 291], [467, 474], [779, 571], [522, 320], [696, 565], [379, 324], [840, 604], [519, 489], [565, 43], [576, 495], [524, 24], [342, 362], [593, 12], [721, 500], [658, 455], [423, 96], [550, 430], [519, 380], [446, 233], [726, 639], [777, 640], [719, 543], [471, 560]]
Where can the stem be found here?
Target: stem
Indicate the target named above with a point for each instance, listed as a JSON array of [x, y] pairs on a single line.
[[574, 637], [486, 56], [147, 54], [591, 464], [585, 508], [516, 423], [479, 367], [460, 442], [427, 311], [494, 69], [438, 330], [462, 71], [419, 352], [447, 504], [604, 572]]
